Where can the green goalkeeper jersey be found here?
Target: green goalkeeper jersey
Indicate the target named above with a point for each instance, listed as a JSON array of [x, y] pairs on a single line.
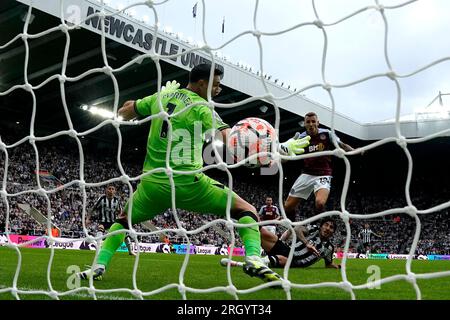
[[189, 126]]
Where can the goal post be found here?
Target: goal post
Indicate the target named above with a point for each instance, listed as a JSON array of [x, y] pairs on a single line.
[[39, 218]]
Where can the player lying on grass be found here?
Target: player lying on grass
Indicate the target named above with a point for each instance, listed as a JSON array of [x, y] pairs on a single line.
[[194, 192], [313, 243]]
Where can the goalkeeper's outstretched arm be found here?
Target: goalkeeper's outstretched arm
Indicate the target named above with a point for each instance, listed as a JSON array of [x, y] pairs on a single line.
[[128, 110], [292, 147]]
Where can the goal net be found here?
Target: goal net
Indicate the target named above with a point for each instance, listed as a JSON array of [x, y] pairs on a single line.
[[104, 18]]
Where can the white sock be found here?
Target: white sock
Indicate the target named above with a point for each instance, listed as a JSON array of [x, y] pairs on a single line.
[[99, 266], [266, 260], [128, 243]]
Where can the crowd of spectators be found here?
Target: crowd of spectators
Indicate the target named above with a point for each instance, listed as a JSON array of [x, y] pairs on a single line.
[[65, 206]]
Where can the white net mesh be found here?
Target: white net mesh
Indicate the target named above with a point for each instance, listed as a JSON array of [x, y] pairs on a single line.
[[258, 35]]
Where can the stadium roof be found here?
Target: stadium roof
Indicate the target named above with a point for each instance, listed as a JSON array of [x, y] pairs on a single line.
[[126, 39]]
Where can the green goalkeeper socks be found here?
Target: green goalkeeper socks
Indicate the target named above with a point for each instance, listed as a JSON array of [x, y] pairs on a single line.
[[251, 237], [110, 245]]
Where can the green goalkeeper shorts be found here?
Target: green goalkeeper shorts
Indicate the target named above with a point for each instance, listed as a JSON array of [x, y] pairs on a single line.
[[204, 195]]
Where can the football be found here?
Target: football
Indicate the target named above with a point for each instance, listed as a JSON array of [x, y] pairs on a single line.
[[249, 137]]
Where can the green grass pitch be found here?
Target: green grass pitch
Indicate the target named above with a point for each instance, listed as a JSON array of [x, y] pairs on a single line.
[[203, 272]]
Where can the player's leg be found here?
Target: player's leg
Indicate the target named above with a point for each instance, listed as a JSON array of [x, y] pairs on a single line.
[[301, 189], [321, 200], [225, 262], [245, 213], [368, 248], [206, 195], [322, 188], [100, 230], [97, 272], [149, 199], [271, 229], [268, 239], [360, 247], [128, 243], [254, 265], [290, 205], [277, 251], [274, 261], [278, 261], [127, 240]]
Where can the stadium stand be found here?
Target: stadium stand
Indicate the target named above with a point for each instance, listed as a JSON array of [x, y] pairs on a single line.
[[66, 206]]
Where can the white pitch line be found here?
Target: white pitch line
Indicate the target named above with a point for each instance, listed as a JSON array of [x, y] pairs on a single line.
[[75, 294]]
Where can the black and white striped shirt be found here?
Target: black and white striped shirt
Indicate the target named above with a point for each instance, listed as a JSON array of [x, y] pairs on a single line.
[[365, 235], [107, 209], [303, 257]]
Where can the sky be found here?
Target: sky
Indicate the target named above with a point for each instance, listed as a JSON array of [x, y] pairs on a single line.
[[417, 36]]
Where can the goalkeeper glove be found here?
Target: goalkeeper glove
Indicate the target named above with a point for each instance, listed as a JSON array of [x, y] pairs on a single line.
[[170, 86], [294, 146]]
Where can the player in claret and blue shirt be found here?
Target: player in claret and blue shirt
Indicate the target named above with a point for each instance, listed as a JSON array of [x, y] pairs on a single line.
[[317, 171]]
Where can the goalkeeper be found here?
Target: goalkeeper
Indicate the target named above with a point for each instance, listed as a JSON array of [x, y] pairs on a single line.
[[194, 192]]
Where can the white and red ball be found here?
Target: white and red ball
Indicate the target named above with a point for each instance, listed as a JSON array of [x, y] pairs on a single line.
[[249, 137]]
